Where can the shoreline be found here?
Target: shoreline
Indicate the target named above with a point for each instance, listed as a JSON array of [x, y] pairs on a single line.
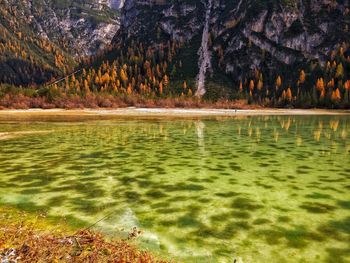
[[35, 237], [161, 112]]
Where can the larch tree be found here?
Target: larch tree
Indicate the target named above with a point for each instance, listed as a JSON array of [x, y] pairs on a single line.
[[289, 95], [260, 85], [166, 81], [161, 88], [240, 86], [251, 86], [302, 77], [340, 71], [278, 82], [86, 86]]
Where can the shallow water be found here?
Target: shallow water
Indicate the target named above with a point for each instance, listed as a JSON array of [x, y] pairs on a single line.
[[266, 189]]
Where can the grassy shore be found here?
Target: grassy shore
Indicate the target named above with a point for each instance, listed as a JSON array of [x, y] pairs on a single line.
[[34, 238]]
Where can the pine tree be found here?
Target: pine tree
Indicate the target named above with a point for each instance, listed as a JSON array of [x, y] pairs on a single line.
[[336, 97], [240, 86], [86, 87], [260, 85], [251, 86], [166, 81], [278, 82], [129, 89], [289, 95], [302, 77], [340, 71], [161, 88], [322, 95], [320, 84]]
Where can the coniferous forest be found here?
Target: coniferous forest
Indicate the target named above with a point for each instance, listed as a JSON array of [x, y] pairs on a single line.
[[144, 131], [160, 70]]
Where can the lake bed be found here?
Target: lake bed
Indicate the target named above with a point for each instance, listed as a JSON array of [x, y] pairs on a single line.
[[266, 188]]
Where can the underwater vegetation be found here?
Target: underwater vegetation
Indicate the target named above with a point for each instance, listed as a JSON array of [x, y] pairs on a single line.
[[199, 189]]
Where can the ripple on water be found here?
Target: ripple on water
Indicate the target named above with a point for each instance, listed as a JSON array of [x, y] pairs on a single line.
[[244, 203], [216, 190], [317, 207]]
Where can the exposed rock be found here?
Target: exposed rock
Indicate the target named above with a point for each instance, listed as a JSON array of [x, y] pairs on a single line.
[[86, 26], [250, 34]]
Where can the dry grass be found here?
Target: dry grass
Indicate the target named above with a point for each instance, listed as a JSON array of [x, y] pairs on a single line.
[[29, 245], [25, 242], [94, 101]]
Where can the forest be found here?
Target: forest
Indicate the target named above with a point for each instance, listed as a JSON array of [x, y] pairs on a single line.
[[156, 71], [132, 74]]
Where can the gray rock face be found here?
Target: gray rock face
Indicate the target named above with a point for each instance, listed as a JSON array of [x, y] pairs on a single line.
[[177, 19], [114, 4], [85, 26], [289, 33], [246, 34]]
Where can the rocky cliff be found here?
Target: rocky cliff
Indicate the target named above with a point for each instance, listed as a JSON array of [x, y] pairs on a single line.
[[287, 32], [42, 39], [85, 26], [244, 35]]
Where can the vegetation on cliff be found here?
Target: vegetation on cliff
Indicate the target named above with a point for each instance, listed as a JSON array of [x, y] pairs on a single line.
[[153, 60]]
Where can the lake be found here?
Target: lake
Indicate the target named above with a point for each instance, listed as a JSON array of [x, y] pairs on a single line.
[[263, 188]]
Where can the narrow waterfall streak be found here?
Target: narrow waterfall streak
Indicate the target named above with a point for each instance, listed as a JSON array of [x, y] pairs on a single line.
[[121, 3], [238, 7], [204, 54]]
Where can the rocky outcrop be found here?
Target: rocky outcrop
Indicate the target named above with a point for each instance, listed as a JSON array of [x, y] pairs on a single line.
[[176, 19], [114, 4], [299, 31], [85, 26], [246, 34], [41, 40]]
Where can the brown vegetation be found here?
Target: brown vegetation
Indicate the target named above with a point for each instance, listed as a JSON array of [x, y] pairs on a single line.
[[30, 246], [24, 242], [93, 101]]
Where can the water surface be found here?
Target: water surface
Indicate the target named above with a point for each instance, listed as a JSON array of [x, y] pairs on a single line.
[[266, 189]]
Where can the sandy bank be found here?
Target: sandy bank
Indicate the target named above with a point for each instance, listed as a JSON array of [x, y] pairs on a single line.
[[154, 112]]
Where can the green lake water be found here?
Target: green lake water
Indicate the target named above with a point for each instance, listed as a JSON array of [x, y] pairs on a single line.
[[266, 188]]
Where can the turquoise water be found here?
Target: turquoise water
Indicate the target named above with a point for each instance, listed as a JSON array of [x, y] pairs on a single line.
[[266, 189]]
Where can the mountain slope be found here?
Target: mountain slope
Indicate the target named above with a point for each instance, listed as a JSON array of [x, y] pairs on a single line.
[[290, 53], [42, 39], [271, 37], [273, 52]]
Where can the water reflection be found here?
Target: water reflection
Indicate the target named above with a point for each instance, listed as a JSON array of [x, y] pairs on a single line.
[[251, 187]]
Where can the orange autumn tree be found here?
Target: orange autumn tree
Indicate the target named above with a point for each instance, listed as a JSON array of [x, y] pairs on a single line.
[[336, 97], [278, 82]]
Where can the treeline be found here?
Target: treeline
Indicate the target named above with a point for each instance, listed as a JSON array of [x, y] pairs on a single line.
[[316, 86], [131, 69], [135, 74]]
